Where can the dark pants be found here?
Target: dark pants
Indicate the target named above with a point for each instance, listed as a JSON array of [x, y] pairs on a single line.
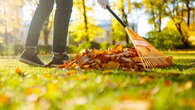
[[62, 18]]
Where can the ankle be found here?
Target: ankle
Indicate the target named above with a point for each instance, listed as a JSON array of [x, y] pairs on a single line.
[[31, 50], [59, 55]]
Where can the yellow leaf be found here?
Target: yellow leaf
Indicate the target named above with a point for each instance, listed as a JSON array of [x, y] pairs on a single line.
[[86, 66], [33, 90], [107, 71], [145, 79], [188, 85], [52, 87], [85, 77], [48, 75]]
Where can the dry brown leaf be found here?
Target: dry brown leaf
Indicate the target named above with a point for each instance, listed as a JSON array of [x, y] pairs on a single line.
[[116, 58]]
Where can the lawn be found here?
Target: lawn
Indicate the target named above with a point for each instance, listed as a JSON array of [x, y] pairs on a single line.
[[24, 87]]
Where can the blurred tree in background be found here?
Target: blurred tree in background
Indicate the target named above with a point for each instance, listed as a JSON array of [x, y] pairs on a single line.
[[124, 8], [173, 23], [10, 19], [179, 13], [47, 29], [84, 28], [156, 10]]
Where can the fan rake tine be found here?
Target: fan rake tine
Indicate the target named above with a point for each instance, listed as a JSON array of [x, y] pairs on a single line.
[[154, 60], [146, 61], [150, 65], [151, 61]]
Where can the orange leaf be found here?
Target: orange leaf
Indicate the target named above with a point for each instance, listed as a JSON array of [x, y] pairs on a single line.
[[4, 99], [118, 48], [18, 71], [33, 90], [167, 83], [71, 72]]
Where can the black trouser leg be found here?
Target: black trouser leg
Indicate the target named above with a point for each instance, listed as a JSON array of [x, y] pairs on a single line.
[[42, 12], [61, 24]]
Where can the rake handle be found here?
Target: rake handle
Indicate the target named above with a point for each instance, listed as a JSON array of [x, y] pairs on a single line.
[[114, 14]]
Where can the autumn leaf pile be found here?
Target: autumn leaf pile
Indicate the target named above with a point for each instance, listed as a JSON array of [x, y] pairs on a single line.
[[116, 58]]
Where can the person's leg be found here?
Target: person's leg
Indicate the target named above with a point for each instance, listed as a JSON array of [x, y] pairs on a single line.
[[61, 24], [43, 10]]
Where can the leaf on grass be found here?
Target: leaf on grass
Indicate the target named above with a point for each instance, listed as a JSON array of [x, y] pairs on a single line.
[[169, 59], [51, 87], [188, 85], [145, 79], [107, 71], [71, 72], [48, 75], [189, 102], [4, 99], [167, 83], [33, 90], [18, 71], [84, 77]]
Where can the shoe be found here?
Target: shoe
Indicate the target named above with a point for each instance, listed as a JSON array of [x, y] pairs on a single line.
[[58, 60], [31, 59]]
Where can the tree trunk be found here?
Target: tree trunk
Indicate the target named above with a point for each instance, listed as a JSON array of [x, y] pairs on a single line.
[[124, 17], [153, 18], [189, 13], [6, 41], [179, 28], [184, 37], [113, 42], [160, 22], [85, 20]]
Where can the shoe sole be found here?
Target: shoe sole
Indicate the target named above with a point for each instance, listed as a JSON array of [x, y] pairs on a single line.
[[29, 62]]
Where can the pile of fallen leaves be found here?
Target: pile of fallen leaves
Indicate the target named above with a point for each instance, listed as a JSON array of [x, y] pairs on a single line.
[[116, 58]]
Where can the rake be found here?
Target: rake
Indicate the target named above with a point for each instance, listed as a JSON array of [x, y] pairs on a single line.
[[150, 57]]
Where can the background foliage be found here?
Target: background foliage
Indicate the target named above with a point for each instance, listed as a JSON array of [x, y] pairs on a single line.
[[178, 16]]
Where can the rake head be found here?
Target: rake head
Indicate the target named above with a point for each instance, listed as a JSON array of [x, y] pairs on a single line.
[[150, 57]]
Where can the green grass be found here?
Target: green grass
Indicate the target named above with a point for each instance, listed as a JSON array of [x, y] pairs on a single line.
[[40, 88]]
